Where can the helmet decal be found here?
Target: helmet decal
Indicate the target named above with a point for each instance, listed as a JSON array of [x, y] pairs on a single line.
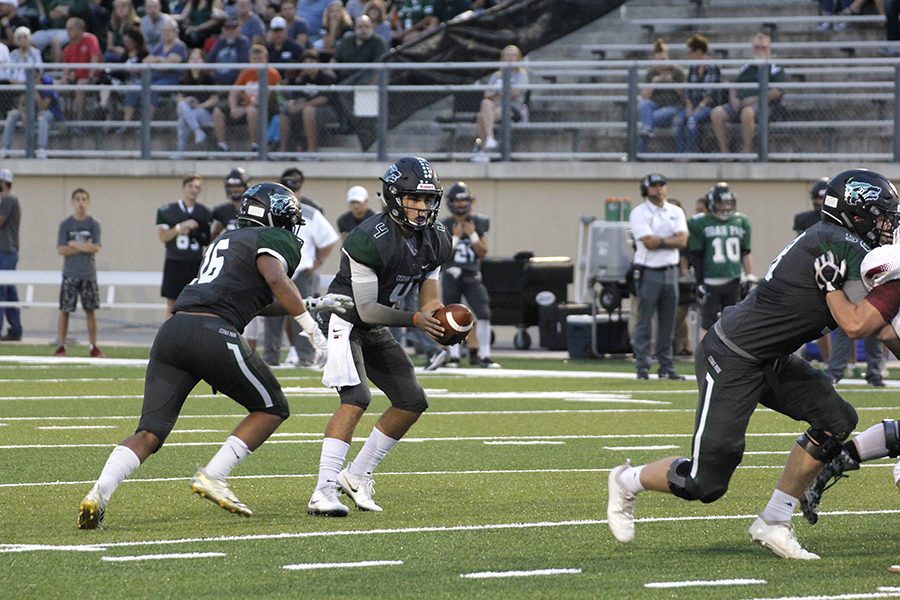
[[393, 174], [857, 192]]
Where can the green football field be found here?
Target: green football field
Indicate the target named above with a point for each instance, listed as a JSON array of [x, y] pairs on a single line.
[[499, 491]]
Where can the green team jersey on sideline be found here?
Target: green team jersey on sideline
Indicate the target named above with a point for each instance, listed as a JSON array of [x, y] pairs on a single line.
[[787, 308], [229, 284], [721, 243]]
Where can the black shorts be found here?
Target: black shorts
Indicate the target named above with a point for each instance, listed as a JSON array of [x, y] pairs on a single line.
[[190, 348], [472, 287], [72, 289], [176, 275]]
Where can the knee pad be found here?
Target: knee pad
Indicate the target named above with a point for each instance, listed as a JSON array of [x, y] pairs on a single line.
[[357, 395], [892, 437], [678, 478], [821, 445], [416, 403]]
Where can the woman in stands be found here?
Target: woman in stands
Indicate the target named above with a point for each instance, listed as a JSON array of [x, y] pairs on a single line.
[[491, 104]]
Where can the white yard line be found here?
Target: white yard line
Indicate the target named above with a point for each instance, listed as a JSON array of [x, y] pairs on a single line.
[[536, 572], [710, 583], [524, 443], [54, 427], [16, 548], [836, 597], [346, 565], [162, 556]]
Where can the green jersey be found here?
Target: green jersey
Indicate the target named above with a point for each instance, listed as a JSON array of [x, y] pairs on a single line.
[[717, 246]]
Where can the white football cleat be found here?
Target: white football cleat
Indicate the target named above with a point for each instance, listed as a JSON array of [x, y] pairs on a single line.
[[91, 510], [620, 507], [217, 491], [292, 358], [360, 490], [780, 538], [325, 503]]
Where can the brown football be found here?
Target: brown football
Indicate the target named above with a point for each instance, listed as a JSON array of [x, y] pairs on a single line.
[[457, 320]]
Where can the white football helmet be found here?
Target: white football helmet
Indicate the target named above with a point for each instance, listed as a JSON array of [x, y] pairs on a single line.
[[880, 266]]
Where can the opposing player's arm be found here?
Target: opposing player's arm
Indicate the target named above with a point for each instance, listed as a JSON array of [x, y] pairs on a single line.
[[888, 335], [857, 320]]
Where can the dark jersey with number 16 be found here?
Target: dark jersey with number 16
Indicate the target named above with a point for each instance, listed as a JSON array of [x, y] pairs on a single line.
[[229, 284], [399, 262], [787, 308]]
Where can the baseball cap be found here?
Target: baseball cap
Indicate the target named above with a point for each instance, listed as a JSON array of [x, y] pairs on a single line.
[[357, 194], [6, 175], [231, 22], [278, 23]]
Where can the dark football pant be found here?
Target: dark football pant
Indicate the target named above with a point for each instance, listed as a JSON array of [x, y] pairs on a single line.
[[190, 348], [717, 298], [730, 388], [470, 286]]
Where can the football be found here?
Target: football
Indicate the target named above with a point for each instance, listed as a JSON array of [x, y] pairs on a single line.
[[457, 320]]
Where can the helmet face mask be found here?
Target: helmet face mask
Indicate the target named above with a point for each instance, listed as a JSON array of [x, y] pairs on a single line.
[[864, 202], [720, 201], [271, 205], [412, 177]]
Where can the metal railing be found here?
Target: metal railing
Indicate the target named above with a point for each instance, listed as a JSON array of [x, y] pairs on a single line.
[[579, 110]]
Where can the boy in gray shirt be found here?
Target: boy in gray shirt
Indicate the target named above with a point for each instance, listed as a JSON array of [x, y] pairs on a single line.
[[78, 241]]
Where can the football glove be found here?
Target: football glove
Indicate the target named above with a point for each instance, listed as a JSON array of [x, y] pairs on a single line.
[[319, 342], [830, 274], [701, 294], [338, 303]]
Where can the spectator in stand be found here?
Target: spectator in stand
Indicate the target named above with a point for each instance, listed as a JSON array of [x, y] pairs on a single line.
[[359, 46], [891, 26], [47, 108], [491, 105], [200, 20], [151, 23], [10, 21], [83, 47], [827, 7], [306, 109], [358, 199], [124, 16], [184, 229], [297, 28], [231, 47], [700, 100], [661, 107], [742, 103], [252, 27], [282, 49], [336, 22], [243, 102], [170, 50], [355, 8], [416, 17], [10, 217], [78, 241], [24, 54], [377, 12], [195, 107], [53, 32], [311, 11], [135, 53]]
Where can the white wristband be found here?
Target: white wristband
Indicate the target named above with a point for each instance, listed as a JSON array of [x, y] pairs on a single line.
[[473, 237], [455, 240], [306, 322]]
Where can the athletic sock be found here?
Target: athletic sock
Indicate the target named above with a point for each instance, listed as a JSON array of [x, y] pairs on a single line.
[[630, 478], [373, 451], [483, 335], [454, 351], [331, 461], [780, 507], [230, 455], [122, 462]]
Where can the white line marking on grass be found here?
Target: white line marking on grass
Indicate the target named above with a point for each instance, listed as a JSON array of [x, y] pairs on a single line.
[[6, 548], [46, 427], [524, 443], [627, 448], [536, 572], [836, 597], [710, 583], [162, 556], [297, 434], [364, 563], [200, 431], [57, 361]]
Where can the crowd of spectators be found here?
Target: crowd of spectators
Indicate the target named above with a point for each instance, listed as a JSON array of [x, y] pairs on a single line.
[[222, 31]]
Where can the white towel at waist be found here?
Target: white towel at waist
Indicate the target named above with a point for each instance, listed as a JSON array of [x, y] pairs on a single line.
[[340, 370]]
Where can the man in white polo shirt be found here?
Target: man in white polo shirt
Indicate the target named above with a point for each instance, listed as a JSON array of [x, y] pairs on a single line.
[[659, 230]]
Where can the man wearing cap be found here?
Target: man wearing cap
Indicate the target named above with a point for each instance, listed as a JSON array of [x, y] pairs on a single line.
[[660, 230], [231, 47], [10, 214], [358, 200], [282, 49]]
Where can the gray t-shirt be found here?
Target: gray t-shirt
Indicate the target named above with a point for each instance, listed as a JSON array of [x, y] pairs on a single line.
[[9, 231], [80, 265]]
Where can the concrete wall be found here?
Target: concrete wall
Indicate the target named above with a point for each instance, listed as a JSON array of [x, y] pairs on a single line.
[[532, 206]]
